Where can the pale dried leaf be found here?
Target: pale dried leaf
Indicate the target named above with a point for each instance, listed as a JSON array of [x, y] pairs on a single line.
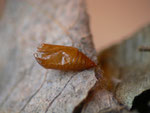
[[125, 63], [24, 85]]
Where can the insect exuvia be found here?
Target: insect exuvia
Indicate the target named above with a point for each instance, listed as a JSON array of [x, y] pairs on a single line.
[[62, 58]]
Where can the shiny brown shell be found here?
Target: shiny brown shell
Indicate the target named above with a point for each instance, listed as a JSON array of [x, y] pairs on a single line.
[[62, 58]]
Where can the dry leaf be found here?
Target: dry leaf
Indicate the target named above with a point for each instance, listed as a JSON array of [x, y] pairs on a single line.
[[128, 67], [24, 85]]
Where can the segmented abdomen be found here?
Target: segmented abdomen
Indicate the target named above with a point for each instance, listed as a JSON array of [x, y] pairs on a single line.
[[62, 58]]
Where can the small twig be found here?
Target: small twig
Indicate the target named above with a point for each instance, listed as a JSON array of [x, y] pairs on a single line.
[[144, 49]]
